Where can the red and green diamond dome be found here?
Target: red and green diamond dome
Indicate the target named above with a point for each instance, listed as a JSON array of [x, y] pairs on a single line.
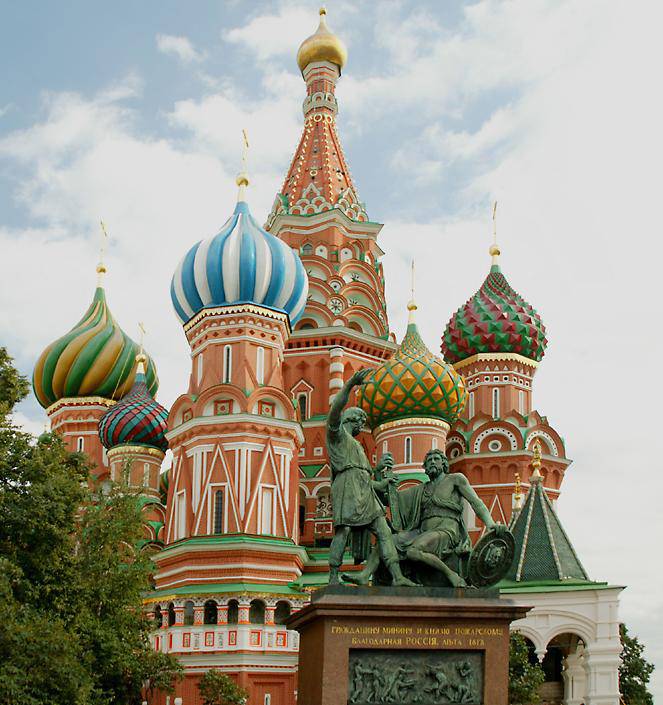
[[137, 419], [495, 320]]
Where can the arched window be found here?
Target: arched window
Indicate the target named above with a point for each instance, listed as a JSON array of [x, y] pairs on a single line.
[[521, 401], [171, 614], [434, 443], [80, 444], [218, 512], [282, 612], [158, 616], [227, 364], [471, 405], [306, 325], [260, 365], [307, 249], [496, 403], [408, 449], [200, 367], [302, 404], [257, 612], [233, 612], [188, 613], [211, 614]]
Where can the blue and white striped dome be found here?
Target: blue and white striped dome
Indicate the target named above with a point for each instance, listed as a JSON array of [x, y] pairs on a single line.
[[241, 264]]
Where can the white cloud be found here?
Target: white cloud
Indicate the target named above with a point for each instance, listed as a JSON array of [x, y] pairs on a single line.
[[181, 47]]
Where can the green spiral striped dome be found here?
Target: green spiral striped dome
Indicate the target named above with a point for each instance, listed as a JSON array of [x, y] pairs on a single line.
[[95, 359]]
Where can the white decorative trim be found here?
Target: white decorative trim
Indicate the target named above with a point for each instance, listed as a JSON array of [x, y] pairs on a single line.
[[498, 431]]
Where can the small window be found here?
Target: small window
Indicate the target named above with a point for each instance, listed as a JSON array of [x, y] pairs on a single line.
[[496, 403], [211, 614], [158, 616], [434, 444], [218, 512], [257, 612], [302, 403], [471, 406], [282, 612], [171, 614], [268, 699], [80, 444], [408, 450], [233, 612], [200, 367], [227, 364], [188, 613], [260, 365], [307, 249], [521, 401]]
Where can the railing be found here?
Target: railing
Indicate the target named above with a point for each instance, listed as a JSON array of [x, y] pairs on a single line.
[[231, 637]]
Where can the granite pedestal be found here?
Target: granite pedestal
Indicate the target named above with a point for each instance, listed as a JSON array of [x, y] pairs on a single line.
[[404, 646]]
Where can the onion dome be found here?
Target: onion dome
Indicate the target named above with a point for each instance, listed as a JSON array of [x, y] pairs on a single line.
[[241, 264], [413, 383], [323, 45], [95, 359], [137, 419], [495, 320]]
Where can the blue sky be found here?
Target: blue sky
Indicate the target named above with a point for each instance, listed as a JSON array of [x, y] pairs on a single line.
[[133, 111]]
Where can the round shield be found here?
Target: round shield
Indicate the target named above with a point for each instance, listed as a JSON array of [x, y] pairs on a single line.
[[491, 558]]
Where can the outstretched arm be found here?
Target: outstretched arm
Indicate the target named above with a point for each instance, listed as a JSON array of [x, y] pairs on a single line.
[[342, 398], [475, 501]]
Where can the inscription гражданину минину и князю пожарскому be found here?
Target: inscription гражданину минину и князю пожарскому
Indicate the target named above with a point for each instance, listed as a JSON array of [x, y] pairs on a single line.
[[401, 636]]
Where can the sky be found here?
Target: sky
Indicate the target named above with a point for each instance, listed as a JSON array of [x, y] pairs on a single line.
[[132, 112]]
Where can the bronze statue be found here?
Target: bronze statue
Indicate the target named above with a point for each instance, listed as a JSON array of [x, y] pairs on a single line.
[[357, 510]]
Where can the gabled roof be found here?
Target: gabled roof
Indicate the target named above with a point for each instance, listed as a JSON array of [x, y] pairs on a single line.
[[543, 549]]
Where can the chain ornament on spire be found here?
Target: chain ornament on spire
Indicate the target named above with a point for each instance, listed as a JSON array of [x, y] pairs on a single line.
[[141, 358], [536, 464], [494, 249], [242, 179], [517, 494], [412, 304], [101, 267]]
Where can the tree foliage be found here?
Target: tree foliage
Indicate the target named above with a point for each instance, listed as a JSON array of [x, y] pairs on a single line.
[[525, 677], [72, 627], [219, 689], [634, 671]]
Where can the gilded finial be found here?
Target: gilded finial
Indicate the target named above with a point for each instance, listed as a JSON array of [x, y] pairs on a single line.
[[517, 494], [412, 304], [242, 179], [494, 249], [141, 358], [322, 11], [536, 463], [101, 267]]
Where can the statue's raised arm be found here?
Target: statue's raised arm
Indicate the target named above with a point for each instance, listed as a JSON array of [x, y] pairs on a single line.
[[342, 398]]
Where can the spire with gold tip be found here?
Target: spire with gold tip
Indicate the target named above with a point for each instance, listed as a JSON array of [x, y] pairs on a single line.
[[323, 45], [94, 359], [413, 383]]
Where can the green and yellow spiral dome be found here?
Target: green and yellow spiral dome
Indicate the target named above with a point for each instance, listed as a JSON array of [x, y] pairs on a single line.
[[413, 383], [95, 359]]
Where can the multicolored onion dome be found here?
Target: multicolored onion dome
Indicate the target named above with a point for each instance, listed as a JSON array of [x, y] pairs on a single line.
[[241, 264], [495, 320], [137, 419], [413, 383], [95, 359]]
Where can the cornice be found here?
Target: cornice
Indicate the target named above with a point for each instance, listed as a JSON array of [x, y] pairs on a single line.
[[495, 357], [413, 421], [80, 402], [234, 419], [237, 309], [135, 450]]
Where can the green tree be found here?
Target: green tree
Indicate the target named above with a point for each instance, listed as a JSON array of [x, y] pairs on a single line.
[[525, 677], [219, 689], [72, 626], [634, 671]]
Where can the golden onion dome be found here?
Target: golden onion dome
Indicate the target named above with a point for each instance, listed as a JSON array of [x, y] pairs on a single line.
[[323, 45]]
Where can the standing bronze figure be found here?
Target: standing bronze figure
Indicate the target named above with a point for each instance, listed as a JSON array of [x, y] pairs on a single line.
[[357, 509]]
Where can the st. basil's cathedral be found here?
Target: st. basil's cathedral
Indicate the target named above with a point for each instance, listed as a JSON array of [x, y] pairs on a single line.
[[278, 317]]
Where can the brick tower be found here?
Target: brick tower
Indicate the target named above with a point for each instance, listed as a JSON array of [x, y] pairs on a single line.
[[344, 326], [496, 341]]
